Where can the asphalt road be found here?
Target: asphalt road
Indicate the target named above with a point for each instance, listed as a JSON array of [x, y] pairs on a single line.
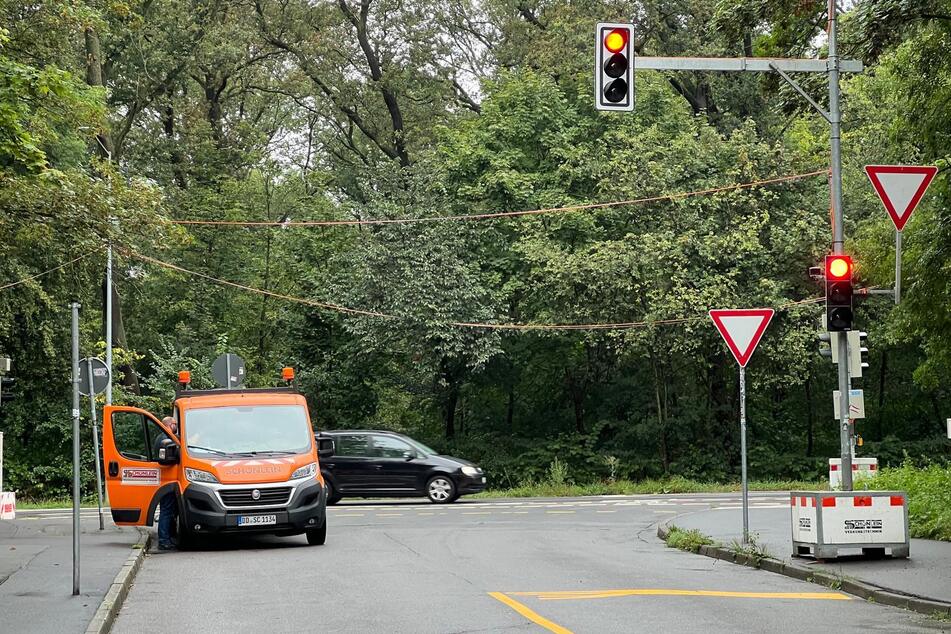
[[591, 565]]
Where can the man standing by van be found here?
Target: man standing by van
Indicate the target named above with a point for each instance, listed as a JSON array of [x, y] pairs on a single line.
[[168, 505]]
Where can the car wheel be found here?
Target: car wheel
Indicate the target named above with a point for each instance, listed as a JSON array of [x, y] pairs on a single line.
[[441, 489], [317, 536], [332, 496]]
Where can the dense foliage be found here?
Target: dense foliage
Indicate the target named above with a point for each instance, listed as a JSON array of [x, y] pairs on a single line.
[[118, 118]]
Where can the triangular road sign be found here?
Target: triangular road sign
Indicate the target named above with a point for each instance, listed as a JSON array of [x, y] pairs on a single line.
[[742, 329], [900, 187]]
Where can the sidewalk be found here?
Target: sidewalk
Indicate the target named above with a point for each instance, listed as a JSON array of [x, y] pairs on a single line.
[[36, 570], [926, 574]]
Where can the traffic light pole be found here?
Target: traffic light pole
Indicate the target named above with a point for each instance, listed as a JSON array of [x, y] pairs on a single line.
[[833, 67]]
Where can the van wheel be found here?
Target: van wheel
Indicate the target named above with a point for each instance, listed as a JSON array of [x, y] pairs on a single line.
[[317, 536], [441, 490]]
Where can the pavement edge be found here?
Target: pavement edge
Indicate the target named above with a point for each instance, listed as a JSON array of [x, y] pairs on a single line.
[[861, 589], [111, 603]]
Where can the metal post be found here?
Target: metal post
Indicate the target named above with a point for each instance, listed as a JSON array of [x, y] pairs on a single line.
[[1, 460], [898, 235], [746, 492], [838, 240], [228, 370], [109, 323], [75, 412], [95, 442]]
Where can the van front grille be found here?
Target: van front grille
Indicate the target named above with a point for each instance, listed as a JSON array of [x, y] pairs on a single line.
[[245, 497]]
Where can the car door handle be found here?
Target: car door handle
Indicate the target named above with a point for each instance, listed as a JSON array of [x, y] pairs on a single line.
[[113, 469], [378, 467]]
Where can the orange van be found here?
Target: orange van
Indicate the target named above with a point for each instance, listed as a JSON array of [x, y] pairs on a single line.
[[244, 461]]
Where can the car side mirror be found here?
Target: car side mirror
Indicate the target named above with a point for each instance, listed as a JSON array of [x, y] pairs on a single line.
[[325, 448], [409, 454], [168, 453]]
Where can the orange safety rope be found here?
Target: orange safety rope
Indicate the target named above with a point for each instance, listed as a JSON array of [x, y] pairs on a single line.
[[504, 214]]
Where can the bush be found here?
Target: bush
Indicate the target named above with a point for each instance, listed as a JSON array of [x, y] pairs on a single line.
[[689, 540], [929, 512]]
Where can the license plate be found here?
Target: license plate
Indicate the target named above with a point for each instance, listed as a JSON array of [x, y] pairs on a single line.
[[257, 520], [483, 479]]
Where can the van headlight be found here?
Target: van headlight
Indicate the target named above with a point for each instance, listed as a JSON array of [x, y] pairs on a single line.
[[307, 471], [471, 471], [197, 475]]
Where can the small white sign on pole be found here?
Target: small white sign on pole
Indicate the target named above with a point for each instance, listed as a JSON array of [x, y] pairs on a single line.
[[856, 403]]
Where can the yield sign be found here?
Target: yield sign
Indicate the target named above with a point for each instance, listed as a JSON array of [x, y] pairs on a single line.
[[742, 329], [900, 187]]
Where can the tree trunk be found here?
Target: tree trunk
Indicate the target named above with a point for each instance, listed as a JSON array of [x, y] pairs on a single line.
[[94, 77], [661, 415], [809, 417], [129, 377], [510, 410]]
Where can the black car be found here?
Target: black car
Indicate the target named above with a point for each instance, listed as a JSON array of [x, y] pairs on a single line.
[[386, 464]]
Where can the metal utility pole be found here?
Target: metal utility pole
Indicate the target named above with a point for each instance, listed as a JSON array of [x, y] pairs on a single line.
[[838, 240], [95, 442], [109, 322], [833, 67], [746, 493], [75, 413]]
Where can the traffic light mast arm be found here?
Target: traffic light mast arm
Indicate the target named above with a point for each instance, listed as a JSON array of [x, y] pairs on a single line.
[[747, 64]]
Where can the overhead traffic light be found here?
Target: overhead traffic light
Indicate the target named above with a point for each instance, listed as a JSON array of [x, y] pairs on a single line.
[[838, 293], [614, 67]]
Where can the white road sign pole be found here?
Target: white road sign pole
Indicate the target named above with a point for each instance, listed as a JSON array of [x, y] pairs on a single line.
[[75, 412], [897, 266], [746, 491]]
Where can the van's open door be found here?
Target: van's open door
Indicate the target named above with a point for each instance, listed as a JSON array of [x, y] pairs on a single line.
[[134, 478]]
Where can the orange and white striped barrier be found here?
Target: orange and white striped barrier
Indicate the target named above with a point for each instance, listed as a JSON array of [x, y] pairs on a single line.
[[861, 468], [827, 522], [8, 506]]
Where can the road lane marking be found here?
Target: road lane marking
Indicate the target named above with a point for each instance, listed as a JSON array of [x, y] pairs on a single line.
[[559, 512], [530, 614], [389, 514], [349, 514], [477, 512], [672, 512], [427, 513], [514, 512], [610, 594], [605, 511]]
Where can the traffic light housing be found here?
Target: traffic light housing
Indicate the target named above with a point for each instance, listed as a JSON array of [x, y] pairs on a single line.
[[614, 67], [838, 293], [858, 353]]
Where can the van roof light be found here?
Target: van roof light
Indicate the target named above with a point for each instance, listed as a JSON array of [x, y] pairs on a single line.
[[287, 374], [184, 377]]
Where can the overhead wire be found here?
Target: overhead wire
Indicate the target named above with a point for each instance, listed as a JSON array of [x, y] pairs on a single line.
[[461, 324], [503, 214], [30, 278]]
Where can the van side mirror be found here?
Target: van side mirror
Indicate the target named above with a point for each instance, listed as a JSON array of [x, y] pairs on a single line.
[[325, 447], [168, 453]]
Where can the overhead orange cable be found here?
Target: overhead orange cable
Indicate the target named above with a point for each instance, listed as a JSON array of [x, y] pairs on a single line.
[[502, 214], [461, 324]]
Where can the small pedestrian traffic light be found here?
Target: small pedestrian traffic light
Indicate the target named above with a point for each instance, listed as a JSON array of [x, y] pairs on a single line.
[[858, 353], [838, 293], [614, 67]]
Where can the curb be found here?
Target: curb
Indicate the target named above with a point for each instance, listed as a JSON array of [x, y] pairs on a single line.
[[861, 589], [111, 603]]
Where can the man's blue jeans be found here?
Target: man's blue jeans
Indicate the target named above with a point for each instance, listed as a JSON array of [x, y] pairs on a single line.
[[168, 509]]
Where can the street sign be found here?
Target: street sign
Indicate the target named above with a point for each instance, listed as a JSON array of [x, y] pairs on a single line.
[[742, 329], [228, 370], [901, 188], [100, 376], [856, 404]]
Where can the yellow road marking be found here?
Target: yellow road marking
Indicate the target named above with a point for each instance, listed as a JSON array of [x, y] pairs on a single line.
[[530, 614], [559, 511], [608, 594]]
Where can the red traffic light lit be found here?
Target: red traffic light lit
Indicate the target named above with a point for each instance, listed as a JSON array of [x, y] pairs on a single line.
[[616, 40], [838, 267]]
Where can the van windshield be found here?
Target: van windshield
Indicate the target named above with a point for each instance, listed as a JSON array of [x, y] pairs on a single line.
[[248, 430]]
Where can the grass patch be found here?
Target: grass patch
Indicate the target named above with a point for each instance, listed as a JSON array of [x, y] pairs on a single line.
[[689, 540], [929, 513], [752, 549], [52, 503], [558, 487]]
